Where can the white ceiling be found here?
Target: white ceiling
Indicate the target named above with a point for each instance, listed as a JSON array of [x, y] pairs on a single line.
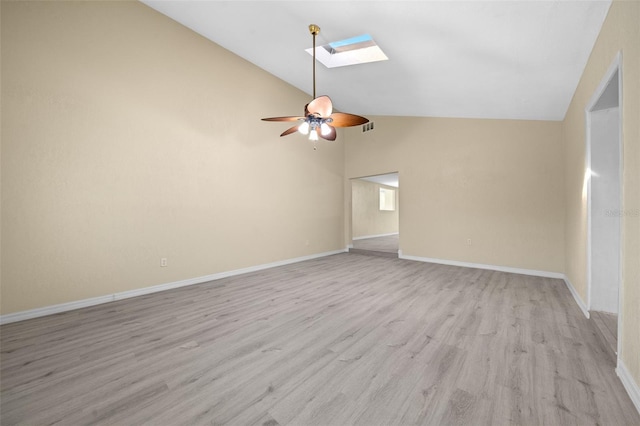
[[473, 59]]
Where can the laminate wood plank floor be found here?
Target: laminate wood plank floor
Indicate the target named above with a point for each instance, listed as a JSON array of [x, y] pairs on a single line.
[[607, 324], [388, 243], [341, 340]]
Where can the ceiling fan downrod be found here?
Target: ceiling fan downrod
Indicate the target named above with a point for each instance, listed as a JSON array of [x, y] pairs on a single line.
[[314, 30]]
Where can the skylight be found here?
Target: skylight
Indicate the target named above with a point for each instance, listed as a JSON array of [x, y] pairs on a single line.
[[351, 51]]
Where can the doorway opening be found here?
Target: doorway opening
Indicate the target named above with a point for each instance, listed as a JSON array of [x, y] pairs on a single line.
[[375, 215], [604, 204]]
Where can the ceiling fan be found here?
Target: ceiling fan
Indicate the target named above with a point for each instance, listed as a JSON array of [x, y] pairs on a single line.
[[319, 118]]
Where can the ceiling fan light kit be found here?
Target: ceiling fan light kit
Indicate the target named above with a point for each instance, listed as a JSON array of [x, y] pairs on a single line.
[[319, 119]]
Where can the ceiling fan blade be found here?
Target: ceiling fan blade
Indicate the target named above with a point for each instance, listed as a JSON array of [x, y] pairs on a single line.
[[320, 106], [283, 119], [342, 119], [289, 131], [331, 136]]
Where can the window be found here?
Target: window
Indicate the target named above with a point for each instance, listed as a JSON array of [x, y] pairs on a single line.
[[387, 199]]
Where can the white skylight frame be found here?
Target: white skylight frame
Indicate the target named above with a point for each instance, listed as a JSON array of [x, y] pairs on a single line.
[[361, 49]]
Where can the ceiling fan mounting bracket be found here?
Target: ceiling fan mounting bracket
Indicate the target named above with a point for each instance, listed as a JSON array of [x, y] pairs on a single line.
[[314, 29]]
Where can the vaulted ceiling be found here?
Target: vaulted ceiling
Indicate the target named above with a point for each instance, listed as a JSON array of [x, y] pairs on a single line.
[[473, 59]]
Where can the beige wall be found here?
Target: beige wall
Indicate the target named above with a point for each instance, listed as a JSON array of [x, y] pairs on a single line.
[[127, 138], [367, 218], [496, 182], [620, 32]]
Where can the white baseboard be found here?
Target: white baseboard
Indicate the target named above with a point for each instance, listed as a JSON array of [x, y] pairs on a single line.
[[521, 271], [55, 309], [374, 236], [629, 384], [576, 296], [533, 272], [77, 304]]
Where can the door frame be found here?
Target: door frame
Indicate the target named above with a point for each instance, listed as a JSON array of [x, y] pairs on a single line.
[[616, 66], [349, 205]]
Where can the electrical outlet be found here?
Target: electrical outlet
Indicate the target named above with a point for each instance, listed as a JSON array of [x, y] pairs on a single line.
[[163, 262]]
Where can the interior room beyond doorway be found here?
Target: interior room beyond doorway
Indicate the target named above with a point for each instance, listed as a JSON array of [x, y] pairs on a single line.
[[375, 215]]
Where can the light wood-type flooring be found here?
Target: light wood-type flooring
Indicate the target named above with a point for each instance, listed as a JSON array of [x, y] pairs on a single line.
[[340, 340], [386, 246], [607, 324]]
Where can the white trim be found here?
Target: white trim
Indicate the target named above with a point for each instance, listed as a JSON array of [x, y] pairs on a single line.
[[533, 272], [521, 271], [55, 309], [77, 304], [616, 66], [576, 296], [374, 236], [621, 224], [587, 182], [629, 384]]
